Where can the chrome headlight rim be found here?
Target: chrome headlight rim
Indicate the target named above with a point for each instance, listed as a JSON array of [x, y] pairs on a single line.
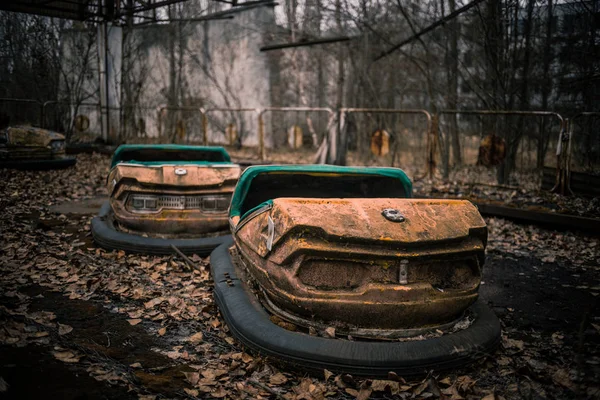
[[145, 207], [57, 146], [155, 203]]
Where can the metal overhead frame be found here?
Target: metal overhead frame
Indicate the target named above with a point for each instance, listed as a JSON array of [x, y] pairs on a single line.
[[85, 10], [302, 43]]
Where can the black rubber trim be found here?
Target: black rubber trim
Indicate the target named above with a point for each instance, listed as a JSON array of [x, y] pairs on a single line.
[[108, 237], [39, 165], [564, 221], [250, 323]]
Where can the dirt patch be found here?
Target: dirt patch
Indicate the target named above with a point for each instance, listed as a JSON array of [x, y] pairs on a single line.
[[33, 373], [103, 335], [541, 296]]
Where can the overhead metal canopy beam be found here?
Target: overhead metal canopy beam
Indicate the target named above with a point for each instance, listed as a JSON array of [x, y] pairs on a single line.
[[69, 9], [305, 43], [82, 10]]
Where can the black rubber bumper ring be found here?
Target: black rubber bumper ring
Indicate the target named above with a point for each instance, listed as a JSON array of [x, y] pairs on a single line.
[[108, 237], [250, 324]]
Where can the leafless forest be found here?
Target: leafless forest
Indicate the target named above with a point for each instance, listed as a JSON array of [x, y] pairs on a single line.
[[499, 55]]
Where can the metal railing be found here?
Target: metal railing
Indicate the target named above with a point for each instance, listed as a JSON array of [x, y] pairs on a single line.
[[207, 112], [562, 122], [564, 146], [564, 153], [428, 126], [161, 115], [261, 123]]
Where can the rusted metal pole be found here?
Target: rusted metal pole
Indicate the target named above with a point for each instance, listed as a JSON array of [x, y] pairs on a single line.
[[564, 154], [204, 127], [261, 136]]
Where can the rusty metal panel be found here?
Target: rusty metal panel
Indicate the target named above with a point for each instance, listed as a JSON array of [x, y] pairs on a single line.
[[169, 183], [199, 177], [343, 262], [30, 136], [27, 142]]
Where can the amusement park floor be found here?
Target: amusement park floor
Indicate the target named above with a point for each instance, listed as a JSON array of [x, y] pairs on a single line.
[[78, 322]]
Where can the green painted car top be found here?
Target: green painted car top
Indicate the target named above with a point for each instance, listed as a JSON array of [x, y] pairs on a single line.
[[212, 154], [245, 181]]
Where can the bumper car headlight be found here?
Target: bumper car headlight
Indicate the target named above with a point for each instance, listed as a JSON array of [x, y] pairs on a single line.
[[142, 203], [57, 145], [216, 203]]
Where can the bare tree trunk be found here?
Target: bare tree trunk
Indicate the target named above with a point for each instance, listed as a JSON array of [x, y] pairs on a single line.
[[337, 153], [514, 136], [453, 85], [172, 93], [546, 86], [494, 47]]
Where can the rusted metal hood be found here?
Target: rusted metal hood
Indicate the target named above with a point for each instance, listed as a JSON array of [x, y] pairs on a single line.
[[180, 176], [362, 221], [31, 136]]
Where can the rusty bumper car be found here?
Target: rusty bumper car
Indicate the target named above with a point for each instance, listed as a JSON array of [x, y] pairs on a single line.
[[323, 249], [162, 196], [27, 147]]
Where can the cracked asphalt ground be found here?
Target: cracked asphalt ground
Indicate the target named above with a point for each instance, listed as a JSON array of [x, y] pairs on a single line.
[[78, 322]]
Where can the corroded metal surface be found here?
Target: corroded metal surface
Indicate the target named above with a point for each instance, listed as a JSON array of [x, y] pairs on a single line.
[[341, 262], [198, 181], [28, 142]]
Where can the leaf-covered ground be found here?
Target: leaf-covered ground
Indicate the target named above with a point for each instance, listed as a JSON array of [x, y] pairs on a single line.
[[80, 322]]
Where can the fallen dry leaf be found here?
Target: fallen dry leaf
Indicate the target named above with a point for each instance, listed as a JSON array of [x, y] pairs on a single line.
[[246, 358], [364, 394], [383, 385], [195, 338], [192, 377], [277, 379], [191, 392], [66, 356], [562, 377], [219, 393], [134, 322], [154, 302], [212, 374], [64, 329], [513, 343]]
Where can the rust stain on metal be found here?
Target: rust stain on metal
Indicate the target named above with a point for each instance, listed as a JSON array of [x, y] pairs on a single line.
[[380, 142], [334, 260], [186, 199], [27, 142]]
